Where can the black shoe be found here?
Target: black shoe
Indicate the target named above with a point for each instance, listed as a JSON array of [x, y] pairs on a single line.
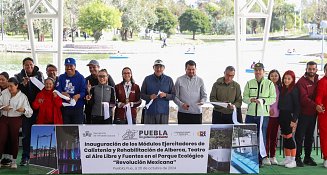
[[24, 162], [309, 161], [6, 162], [299, 162]]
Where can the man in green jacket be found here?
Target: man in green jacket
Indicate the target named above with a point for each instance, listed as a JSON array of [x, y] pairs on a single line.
[[256, 91], [225, 89]]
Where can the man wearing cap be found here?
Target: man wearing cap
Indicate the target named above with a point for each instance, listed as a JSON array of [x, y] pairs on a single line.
[[30, 90], [259, 92], [72, 84], [190, 95], [92, 80], [157, 89]]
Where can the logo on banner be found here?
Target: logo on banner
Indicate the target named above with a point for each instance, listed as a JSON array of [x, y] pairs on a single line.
[[87, 134], [182, 133], [153, 134], [129, 135], [201, 133]]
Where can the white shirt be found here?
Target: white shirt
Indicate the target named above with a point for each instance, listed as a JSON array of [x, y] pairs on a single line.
[[18, 101]]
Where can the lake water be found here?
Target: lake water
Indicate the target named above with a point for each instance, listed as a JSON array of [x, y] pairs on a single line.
[[211, 59]]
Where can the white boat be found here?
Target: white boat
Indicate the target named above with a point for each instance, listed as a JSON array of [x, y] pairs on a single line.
[[118, 56]]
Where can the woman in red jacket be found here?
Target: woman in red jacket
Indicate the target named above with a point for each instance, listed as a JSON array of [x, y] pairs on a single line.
[[127, 92], [48, 103], [321, 101]]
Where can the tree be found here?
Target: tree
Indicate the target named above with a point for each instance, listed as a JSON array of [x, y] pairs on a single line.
[[71, 9], [283, 15], [136, 14], [14, 13], [166, 21], [224, 26], [97, 16], [194, 21]]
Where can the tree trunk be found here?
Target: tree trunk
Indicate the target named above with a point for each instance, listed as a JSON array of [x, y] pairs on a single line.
[[73, 33], [131, 33], [125, 34], [38, 34], [193, 35]]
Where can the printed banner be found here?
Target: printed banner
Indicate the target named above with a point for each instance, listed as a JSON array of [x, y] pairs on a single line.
[[143, 149]]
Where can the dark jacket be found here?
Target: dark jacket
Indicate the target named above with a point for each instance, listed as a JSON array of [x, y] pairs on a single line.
[[307, 90], [152, 85], [222, 92], [289, 101], [102, 93], [94, 81], [30, 90]]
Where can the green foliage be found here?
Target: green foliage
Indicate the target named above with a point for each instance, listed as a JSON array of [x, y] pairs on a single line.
[[14, 13], [224, 26], [195, 21], [96, 16], [283, 15], [136, 15], [166, 21]]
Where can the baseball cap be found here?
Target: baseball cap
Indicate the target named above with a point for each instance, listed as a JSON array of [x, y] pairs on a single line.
[[93, 62], [259, 66], [158, 62], [70, 61]]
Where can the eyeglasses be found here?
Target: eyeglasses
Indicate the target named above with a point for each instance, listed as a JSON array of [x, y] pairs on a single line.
[[102, 76]]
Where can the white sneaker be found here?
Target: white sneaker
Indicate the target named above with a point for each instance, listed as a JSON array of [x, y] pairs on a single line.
[[273, 161], [284, 162], [291, 164], [266, 161], [13, 166], [325, 163]]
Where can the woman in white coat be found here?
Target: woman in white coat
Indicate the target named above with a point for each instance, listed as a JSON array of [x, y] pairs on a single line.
[[13, 104]]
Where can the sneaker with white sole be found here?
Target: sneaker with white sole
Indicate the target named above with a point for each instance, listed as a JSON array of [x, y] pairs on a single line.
[[266, 161], [284, 162], [273, 161], [325, 163], [13, 166], [291, 164]]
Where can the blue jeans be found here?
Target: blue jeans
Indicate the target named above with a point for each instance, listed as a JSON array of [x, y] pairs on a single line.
[[256, 120]]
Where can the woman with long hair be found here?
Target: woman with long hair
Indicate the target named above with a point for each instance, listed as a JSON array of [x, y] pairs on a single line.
[[49, 104], [13, 104], [289, 109], [128, 95], [273, 124]]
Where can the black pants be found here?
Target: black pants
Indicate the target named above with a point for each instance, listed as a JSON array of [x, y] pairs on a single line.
[[284, 120], [186, 118], [304, 131], [73, 115], [100, 120], [221, 118], [26, 131]]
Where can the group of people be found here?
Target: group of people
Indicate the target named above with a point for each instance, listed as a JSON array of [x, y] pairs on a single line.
[[28, 98]]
